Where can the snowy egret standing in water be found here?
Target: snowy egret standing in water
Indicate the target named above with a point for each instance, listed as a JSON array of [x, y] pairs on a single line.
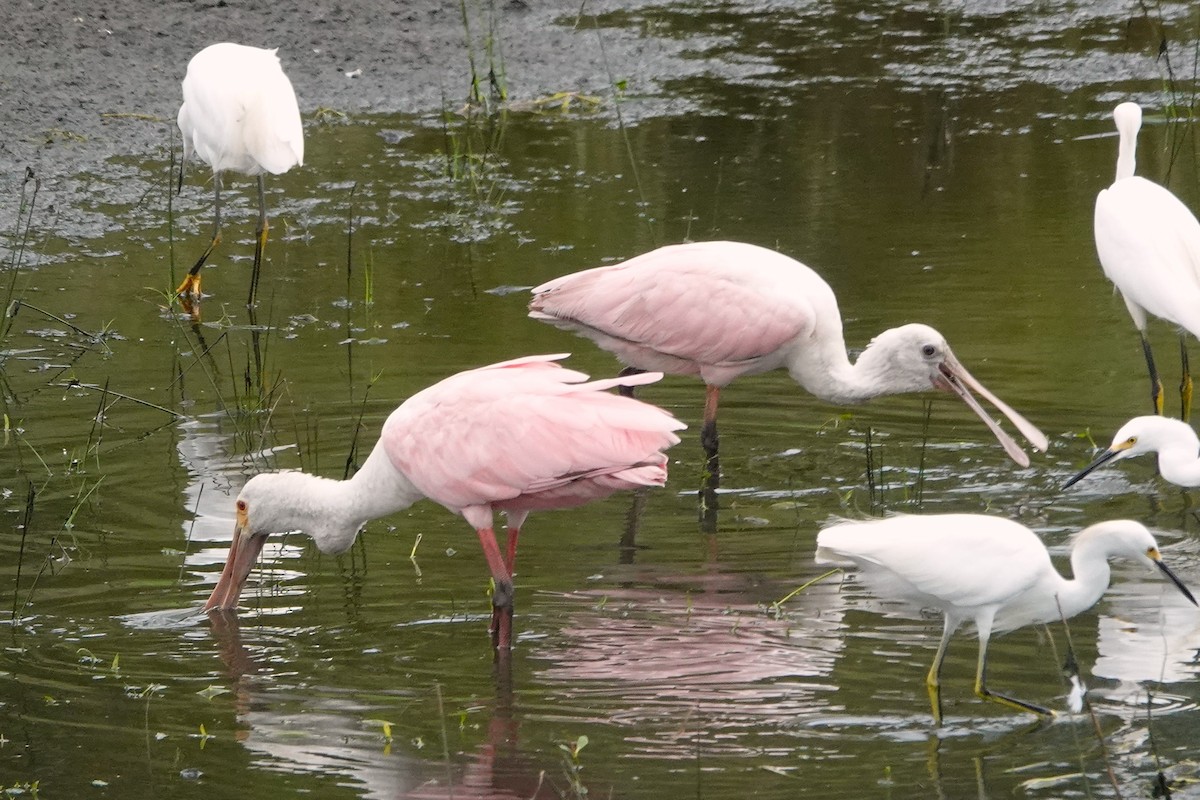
[[516, 437], [1149, 246], [1175, 442], [720, 310], [239, 113], [986, 569]]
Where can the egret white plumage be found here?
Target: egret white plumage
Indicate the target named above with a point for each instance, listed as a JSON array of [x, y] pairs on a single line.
[[1175, 442], [239, 113], [1149, 246], [992, 571]]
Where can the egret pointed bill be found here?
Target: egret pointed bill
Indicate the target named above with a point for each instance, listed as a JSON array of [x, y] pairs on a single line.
[[1171, 576], [243, 554], [954, 377], [1108, 455]]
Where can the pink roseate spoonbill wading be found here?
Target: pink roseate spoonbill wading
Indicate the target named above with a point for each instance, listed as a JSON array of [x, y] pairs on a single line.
[[1175, 442], [516, 437], [992, 571], [721, 310], [239, 113], [1149, 247]]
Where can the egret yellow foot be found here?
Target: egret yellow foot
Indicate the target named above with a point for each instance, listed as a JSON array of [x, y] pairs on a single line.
[[190, 288], [1020, 705]]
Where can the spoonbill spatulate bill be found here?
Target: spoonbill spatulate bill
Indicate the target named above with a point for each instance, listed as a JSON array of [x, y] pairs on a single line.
[[516, 437], [239, 114], [1149, 247], [721, 310], [987, 570]]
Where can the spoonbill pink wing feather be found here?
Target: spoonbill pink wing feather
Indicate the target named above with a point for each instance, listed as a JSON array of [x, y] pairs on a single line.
[[492, 435], [662, 302]]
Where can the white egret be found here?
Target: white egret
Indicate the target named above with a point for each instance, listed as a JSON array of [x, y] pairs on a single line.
[[990, 570], [1149, 246], [239, 113], [1175, 442]]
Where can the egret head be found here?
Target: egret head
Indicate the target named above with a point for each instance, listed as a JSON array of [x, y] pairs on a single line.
[[1141, 435], [1129, 539], [1128, 117]]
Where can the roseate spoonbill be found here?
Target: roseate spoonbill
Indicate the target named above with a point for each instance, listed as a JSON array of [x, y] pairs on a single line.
[[1175, 442], [725, 309], [239, 113], [1149, 246], [517, 436], [987, 569]]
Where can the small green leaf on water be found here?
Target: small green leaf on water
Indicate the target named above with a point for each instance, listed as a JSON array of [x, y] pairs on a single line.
[[211, 691], [382, 724]]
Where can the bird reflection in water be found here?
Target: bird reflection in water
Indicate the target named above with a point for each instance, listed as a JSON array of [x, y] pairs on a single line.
[[322, 733]]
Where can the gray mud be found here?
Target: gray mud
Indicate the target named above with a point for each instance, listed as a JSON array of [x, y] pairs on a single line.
[[82, 82]]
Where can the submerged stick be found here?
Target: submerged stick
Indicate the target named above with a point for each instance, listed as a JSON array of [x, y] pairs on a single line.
[[107, 391], [1072, 665], [25, 523]]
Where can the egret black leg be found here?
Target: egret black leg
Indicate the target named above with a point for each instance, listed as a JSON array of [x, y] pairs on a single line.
[[984, 693], [1185, 382], [260, 241], [190, 288], [1156, 389]]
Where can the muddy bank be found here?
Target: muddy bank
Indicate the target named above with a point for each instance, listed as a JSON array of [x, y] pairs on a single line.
[[80, 83]]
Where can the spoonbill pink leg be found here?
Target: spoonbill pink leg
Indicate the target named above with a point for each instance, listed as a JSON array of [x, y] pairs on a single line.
[[502, 593]]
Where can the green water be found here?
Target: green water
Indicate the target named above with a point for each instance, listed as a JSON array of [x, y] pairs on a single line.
[[933, 166]]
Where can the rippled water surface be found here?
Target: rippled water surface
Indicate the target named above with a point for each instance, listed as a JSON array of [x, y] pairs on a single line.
[[934, 163]]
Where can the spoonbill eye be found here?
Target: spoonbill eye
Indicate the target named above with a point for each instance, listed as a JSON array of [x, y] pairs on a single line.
[[928, 350]]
